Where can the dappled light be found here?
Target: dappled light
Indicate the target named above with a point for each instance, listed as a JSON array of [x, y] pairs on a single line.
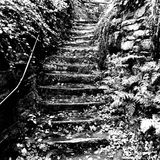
[[79, 80]]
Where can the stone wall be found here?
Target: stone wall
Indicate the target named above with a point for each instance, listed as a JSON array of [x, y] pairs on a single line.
[[131, 26]]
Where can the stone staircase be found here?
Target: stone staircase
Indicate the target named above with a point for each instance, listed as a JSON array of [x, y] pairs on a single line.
[[69, 88]]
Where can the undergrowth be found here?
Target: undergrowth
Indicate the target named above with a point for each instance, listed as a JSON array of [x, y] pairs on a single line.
[[21, 22], [86, 11], [132, 80]]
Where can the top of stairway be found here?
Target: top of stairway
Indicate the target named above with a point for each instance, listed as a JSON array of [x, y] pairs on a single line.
[[96, 1], [85, 22]]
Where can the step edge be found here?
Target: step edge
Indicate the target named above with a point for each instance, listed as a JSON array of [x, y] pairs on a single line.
[[75, 140], [77, 121], [72, 89], [70, 104], [72, 74], [72, 65]]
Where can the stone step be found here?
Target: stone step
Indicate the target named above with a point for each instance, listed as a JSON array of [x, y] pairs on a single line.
[[76, 53], [71, 59], [96, 157], [74, 125], [71, 126], [75, 141], [80, 41], [73, 121], [79, 51], [77, 43], [70, 115], [83, 37], [78, 68], [74, 146], [68, 97], [81, 139], [64, 77], [83, 22], [66, 126], [82, 28], [81, 32], [88, 27], [72, 49], [51, 106], [67, 89], [97, 2]]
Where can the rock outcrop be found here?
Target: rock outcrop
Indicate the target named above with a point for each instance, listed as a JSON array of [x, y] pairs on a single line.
[[130, 26]]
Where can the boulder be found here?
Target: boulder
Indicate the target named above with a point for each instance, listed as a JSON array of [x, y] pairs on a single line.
[[132, 27], [128, 22], [116, 34], [139, 33], [136, 48], [146, 44], [130, 38], [140, 12], [127, 45], [145, 53], [116, 21]]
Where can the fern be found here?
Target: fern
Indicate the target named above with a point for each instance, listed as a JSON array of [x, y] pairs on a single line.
[[132, 79], [124, 95], [132, 59], [155, 79], [130, 82], [116, 101], [149, 67], [157, 99], [130, 110]]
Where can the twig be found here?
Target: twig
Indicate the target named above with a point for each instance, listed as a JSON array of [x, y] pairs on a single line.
[[24, 73]]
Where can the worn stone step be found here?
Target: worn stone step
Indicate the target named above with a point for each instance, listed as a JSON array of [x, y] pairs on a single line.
[[84, 22], [66, 126], [71, 59], [71, 96], [78, 140], [79, 42], [77, 116], [74, 146], [67, 89], [87, 27], [97, 2], [96, 157], [77, 53], [83, 37], [71, 49], [71, 126], [81, 32], [77, 121], [70, 115], [77, 29], [64, 77], [78, 68], [50, 106], [75, 141]]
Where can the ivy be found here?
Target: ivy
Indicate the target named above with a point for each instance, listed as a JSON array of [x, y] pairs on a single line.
[[21, 21]]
